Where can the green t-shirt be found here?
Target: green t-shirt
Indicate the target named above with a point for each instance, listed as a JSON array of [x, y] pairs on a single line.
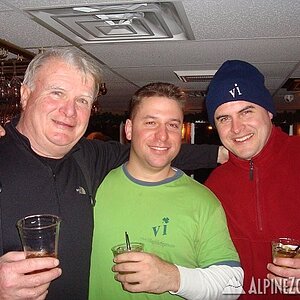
[[178, 219]]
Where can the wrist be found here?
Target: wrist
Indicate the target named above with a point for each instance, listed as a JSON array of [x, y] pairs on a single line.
[[175, 280]]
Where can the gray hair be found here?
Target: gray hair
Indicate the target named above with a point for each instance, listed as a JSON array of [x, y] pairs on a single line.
[[71, 56]]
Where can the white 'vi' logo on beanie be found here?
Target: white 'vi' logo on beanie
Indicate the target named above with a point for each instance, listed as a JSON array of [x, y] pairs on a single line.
[[234, 90]]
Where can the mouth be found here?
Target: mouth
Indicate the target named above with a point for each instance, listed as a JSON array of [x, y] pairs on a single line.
[[156, 148], [62, 124], [244, 138]]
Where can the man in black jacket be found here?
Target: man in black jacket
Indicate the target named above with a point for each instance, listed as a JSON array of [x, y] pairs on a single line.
[[47, 167]]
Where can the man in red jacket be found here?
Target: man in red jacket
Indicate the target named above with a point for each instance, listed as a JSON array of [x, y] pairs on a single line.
[[259, 185]]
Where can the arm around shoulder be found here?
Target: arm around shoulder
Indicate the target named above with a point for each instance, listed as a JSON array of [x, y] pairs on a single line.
[[2, 131], [192, 156]]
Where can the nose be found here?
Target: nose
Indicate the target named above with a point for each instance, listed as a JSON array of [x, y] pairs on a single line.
[[161, 133], [236, 125], [68, 108]]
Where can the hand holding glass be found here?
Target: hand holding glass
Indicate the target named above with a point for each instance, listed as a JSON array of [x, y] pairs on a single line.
[[123, 248]]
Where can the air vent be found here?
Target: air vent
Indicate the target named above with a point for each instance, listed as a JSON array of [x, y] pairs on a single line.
[[195, 76], [117, 22]]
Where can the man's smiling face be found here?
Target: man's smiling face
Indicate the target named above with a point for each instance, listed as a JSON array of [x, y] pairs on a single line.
[[244, 127]]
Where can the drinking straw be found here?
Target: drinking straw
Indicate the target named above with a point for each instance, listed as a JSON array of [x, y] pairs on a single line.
[[128, 246]]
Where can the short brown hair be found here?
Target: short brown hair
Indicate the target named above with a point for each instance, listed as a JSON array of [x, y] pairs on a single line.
[[160, 89]]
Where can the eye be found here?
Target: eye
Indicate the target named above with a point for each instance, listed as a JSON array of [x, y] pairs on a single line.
[[174, 125], [57, 94], [247, 111], [84, 102], [150, 123], [223, 120]]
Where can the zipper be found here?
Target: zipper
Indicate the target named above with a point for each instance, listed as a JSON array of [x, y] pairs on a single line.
[[57, 198], [259, 204], [251, 173], [257, 195], [92, 200]]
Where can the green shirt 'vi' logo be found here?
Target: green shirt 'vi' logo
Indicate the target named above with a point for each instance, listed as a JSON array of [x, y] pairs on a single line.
[[157, 229]]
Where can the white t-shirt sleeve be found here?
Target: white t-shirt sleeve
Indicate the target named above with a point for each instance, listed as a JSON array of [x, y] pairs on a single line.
[[214, 282]]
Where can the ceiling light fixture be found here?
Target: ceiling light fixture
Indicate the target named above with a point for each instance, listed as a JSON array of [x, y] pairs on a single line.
[[85, 9]]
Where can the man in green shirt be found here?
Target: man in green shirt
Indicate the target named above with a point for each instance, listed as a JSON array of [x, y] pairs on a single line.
[[188, 251]]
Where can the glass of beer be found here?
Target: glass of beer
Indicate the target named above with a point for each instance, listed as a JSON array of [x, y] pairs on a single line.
[[39, 235], [286, 247]]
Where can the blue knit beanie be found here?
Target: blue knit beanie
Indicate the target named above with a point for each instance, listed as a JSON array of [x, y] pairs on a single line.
[[237, 80]]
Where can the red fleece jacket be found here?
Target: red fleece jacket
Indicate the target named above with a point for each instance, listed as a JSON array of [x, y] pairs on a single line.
[[261, 199]]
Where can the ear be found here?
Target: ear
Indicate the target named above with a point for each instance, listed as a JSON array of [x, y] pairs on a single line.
[[128, 129], [25, 94], [270, 115]]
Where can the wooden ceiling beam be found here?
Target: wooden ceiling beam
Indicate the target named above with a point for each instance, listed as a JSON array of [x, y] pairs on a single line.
[[16, 49]]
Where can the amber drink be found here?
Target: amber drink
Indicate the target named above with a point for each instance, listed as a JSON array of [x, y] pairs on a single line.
[[286, 247], [39, 235]]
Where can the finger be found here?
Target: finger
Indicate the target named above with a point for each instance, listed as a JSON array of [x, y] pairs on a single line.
[[15, 262], [132, 278], [282, 271], [37, 264], [273, 277], [37, 293], [12, 256], [133, 288], [43, 296], [129, 256], [279, 282], [287, 262], [128, 267], [41, 278]]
